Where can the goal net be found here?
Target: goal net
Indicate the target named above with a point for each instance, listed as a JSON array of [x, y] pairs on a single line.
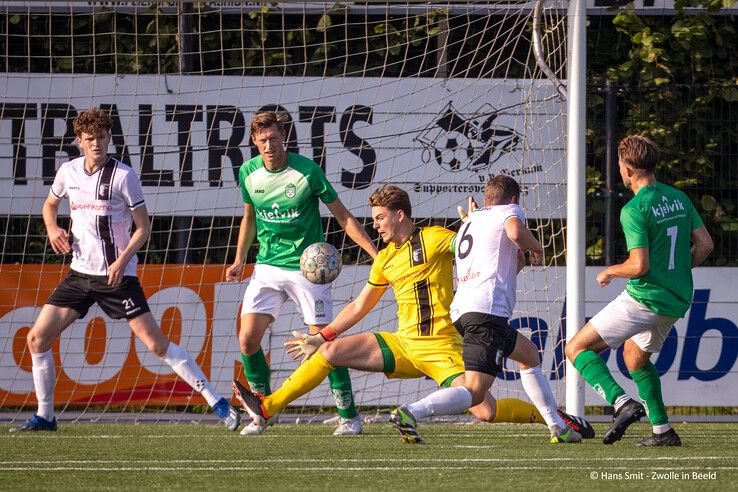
[[433, 97]]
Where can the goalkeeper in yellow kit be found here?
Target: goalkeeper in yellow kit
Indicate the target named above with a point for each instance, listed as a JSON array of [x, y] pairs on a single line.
[[418, 264]]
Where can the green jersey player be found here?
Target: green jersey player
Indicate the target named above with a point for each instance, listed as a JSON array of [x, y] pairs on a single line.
[[281, 193], [665, 239]]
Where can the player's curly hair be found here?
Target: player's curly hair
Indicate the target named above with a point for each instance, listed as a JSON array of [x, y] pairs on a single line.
[[501, 189], [392, 197], [266, 119], [92, 121], [639, 152]]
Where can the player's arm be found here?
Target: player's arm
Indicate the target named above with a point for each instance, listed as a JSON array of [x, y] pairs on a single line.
[[58, 237], [352, 227], [139, 237], [306, 345], [246, 236], [636, 265], [702, 245], [521, 235]]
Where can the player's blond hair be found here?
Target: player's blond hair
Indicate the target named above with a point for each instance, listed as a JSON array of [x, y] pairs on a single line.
[[639, 152], [265, 120], [392, 197], [501, 189], [92, 122]]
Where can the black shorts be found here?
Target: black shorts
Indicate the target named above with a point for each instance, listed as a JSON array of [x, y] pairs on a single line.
[[80, 291], [488, 339]]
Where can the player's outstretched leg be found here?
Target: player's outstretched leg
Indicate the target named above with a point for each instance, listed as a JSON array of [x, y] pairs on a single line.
[[403, 420], [629, 413], [579, 424], [251, 403]]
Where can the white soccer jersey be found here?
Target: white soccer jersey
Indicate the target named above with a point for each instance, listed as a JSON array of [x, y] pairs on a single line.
[[486, 263], [100, 205]]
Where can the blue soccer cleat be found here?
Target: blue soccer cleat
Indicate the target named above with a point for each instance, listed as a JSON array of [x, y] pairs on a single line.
[[227, 414], [36, 423]]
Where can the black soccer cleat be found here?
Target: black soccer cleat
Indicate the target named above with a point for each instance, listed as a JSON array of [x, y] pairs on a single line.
[[251, 403], [668, 438], [579, 424], [630, 413]]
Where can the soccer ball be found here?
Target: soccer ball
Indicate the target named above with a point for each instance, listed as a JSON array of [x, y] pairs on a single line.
[[453, 150], [320, 263]]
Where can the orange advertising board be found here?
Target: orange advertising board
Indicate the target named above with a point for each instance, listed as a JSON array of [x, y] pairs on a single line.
[[98, 360]]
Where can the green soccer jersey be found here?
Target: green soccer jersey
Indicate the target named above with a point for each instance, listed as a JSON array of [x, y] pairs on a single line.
[[286, 206], [662, 218]]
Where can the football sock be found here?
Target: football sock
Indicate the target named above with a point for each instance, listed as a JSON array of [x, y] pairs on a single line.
[[44, 379], [539, 391], [620, 401], [186, 368], [660, 429], [340, 383], [649, 389], [594, 370], [445, 401], [305, 378], [256, 369], [517, 411]]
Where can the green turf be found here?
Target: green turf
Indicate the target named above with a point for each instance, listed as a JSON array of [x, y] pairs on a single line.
[[306, 457]]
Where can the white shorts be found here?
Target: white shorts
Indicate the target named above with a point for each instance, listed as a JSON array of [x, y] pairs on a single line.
[[626, 318], [271, 286]]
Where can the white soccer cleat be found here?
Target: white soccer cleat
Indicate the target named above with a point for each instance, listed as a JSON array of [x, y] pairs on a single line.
[[349, 427], [254, 429]]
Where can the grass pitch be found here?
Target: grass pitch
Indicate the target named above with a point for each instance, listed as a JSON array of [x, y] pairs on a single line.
[[307, 457]]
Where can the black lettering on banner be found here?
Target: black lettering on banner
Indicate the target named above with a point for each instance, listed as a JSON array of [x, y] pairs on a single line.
[[229, 147], [50, 143], [465, 238], [149, 175], [317, 116], [357, 146], [117, 133], [17, 114], [185, 115], [289, 129]]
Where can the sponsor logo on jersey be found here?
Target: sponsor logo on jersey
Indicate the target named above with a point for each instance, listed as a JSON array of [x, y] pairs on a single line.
[[259, 191], [290, 191], [276, 215], [91, 206], [665, 208], [74, 187]]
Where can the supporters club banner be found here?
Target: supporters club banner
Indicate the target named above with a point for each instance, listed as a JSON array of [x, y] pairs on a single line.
[[100, 363], [186, 136]]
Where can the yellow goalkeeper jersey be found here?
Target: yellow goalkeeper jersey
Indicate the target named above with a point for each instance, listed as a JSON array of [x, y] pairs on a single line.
[[420, 272]]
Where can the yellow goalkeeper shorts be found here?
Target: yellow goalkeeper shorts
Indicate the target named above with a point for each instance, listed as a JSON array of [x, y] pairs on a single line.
[[438, 357]]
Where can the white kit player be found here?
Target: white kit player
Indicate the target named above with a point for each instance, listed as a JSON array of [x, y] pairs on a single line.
[[105, 197], [488, 259]]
